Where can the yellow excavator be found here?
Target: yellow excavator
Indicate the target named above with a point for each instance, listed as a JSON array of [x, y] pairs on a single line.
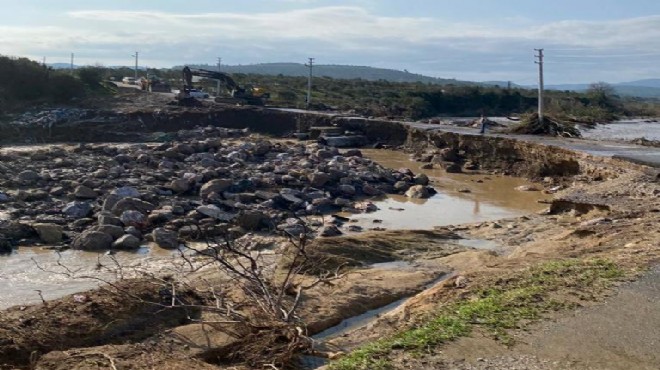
[[239, 95]]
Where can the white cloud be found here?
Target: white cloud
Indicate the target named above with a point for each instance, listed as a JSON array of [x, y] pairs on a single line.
[[349, 34]]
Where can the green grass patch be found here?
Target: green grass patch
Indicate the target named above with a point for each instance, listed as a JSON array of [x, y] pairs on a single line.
[[510, 303]]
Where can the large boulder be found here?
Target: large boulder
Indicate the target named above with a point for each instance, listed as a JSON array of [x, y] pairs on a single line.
[[251, 220], [164, 238], [215, 212], [214, 186], [92, 240], [318, 179], [28, 176], [127, 241], [421, 179], [180, 185], [84, 192], [133, 218], [48, 233], [132, 204], [417, 191], [77, 209], [114, 231]]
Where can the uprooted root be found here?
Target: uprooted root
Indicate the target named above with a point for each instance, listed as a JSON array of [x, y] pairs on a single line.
[[532, 125]]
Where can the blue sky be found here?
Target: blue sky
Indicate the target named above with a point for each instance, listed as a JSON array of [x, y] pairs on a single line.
[[585, 41]]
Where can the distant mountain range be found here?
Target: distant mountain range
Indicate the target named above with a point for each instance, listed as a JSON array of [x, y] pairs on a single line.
[[649, 88], [333, 71]]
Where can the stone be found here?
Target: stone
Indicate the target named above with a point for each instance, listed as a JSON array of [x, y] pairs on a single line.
[[114, 231], [370, 190], [214, 186], [330, 231], [417, 191], [133, 231], [126, 192], [34, 194], [132, 204], [48, 233], [164, 238], [92, 240], [214, 211], [318, 179], [450, 167], [109, 219], [4, 197], [127, 241], [28, 176], [421, 179], [180, 185], [83, 192], [347, 189], [401, 186], [251, 220], [133, 218], [527, 188], [77, 209], [427, 166]]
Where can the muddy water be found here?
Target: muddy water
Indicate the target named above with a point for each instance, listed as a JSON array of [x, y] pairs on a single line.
[[30, 271], [624, 130], [461, 198]]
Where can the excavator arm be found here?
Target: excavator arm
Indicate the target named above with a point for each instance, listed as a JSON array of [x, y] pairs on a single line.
[[237, 92]]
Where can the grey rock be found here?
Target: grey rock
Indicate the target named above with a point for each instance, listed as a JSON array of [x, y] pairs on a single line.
[[28, 176], [133, 231], [83, 192], [109, 219], [133, 218], [214, 186], [77, 209], [318, 179], [164, 238], [127, 192], [48, 233], [417, 191], [421, 179], [114, 231], [180, 185], [214, 211], [126, 241], [92, 240], [330, 231], [347, 189], [251, 220], [132, 204]]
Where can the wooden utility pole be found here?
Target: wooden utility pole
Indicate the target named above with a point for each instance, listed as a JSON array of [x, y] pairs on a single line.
[[309, 82], [217, 93], [71, 63], [540, 63], [136, 66]]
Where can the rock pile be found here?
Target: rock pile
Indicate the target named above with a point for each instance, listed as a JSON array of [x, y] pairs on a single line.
[[117, 196]]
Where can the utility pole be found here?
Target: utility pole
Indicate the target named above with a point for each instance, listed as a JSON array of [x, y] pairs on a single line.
[[540, 63], [71, 67], [309, 81], [136, 65], [44, 62], [218, 88]]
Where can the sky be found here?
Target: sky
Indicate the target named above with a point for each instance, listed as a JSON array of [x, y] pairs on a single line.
[[478, 40]]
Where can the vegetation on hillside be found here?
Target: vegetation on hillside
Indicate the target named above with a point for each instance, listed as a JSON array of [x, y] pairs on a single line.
[[25, 83]]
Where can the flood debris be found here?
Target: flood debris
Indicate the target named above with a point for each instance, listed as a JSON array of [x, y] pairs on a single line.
[[551, 126]]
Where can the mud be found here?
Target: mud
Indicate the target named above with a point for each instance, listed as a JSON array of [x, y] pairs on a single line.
[[601, 207]]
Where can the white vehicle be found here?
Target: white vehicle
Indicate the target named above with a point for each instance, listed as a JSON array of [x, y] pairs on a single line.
[[198, 94], [129, 80]]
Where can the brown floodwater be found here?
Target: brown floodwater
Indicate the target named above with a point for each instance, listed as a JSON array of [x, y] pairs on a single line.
[[31, 271], [490, 197]]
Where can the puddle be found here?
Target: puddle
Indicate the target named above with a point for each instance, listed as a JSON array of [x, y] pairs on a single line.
[[461, 198], [478, 244], [393, 265], [21, 279], [369, 317], [624, 130]]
